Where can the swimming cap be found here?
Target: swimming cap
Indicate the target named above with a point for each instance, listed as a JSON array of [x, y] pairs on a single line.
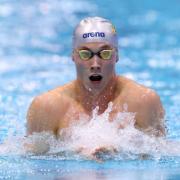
[[95, 29]]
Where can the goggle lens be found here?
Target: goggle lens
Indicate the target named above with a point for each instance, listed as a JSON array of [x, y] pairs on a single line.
[[105, 54], [85, 54]]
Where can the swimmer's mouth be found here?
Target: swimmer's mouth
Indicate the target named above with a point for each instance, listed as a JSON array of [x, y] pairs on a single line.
[[95, 77]]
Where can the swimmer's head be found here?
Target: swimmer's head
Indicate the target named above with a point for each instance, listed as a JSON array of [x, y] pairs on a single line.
[[95, 29]]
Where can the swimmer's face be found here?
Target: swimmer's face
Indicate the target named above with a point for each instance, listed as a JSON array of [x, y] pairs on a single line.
[[95, 71]]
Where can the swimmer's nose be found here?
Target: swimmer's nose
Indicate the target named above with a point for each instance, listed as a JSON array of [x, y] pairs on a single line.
[[95, 66]]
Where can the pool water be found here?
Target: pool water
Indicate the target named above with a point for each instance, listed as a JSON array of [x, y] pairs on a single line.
[[35, 56]]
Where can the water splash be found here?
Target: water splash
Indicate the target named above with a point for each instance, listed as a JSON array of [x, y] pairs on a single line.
[[94, 138]]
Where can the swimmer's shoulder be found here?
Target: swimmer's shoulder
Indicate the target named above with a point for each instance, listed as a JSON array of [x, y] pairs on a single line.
[[67, 90], [134, 89], [146, 103], [60, 94], [55, 97], [138, 97], [48, 108]]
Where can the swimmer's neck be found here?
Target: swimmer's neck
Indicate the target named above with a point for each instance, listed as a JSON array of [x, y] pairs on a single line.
[[89, 100]]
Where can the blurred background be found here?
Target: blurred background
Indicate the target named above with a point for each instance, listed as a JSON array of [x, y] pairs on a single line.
[[35, 56], [35, 51]]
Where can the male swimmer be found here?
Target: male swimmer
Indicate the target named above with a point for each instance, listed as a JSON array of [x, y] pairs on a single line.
[[95, 53]]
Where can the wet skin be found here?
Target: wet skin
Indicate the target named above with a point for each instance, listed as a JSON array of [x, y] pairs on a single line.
[[58, 108]]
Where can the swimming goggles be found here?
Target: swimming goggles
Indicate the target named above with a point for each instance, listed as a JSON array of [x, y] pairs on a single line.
[[86, 54]]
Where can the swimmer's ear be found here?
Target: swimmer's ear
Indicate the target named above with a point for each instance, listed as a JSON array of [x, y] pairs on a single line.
[[117, 58], [117, 55], [72, 55]]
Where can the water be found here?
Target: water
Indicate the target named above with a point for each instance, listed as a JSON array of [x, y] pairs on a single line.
[[35, 50]]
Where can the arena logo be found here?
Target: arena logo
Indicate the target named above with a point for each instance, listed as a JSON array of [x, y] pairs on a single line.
[[94, 34]]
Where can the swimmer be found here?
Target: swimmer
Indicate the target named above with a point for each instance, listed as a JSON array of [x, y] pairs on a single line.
[[95, 54]]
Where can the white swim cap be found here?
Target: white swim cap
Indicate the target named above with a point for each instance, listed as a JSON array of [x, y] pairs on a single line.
[[95, 29]]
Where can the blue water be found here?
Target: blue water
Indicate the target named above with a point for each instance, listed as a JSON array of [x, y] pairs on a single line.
[[35, 56]]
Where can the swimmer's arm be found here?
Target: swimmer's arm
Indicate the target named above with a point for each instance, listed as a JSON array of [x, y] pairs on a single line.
[[43, 115], [37, 117], [150, 117]]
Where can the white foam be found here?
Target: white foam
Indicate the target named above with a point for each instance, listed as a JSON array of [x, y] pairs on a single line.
[[86, 136]]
